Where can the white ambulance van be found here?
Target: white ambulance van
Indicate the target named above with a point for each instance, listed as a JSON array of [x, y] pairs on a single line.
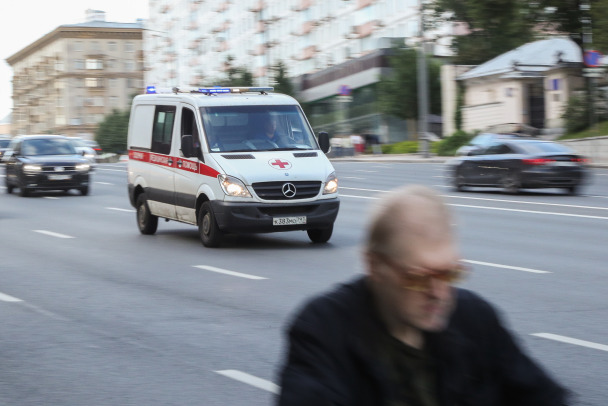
[[229, 160]]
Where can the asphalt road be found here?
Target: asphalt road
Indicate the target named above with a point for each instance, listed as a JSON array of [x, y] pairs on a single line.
[[93, 313]]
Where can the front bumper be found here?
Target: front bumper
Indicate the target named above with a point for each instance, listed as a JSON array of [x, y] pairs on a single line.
[[257, 218], [44, 181]]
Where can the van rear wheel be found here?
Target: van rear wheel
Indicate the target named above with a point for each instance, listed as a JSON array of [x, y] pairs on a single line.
[[146, 221], [320, 235], [210, 233]]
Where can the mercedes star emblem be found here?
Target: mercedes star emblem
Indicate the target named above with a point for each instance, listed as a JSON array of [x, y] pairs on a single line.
[[289, 190]]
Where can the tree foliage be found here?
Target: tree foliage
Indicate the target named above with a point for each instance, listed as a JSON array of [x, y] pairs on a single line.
[[398, 92], [497, 26], [236, 75], [112, 131], [282, 83]]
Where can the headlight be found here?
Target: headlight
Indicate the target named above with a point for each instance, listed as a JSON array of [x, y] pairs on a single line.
[[233, 186], [331, 184], [83, 167], [31, 169]]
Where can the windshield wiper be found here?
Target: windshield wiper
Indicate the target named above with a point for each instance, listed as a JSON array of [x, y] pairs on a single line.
[[289, 149]]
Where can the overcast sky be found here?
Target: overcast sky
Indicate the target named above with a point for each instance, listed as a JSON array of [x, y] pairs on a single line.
[[25, 21]]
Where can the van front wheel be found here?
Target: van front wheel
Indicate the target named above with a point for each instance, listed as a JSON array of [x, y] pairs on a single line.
[[146, 221], [320, 235], [208, 230]]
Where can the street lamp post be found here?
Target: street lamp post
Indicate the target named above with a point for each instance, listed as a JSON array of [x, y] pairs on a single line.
[[423, 90]]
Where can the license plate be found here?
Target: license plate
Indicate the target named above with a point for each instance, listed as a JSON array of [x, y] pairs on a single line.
[[288, 221], [564, 163], [60, 177]]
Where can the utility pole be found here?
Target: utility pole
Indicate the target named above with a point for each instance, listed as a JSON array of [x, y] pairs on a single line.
[[585, 8], [423, 89]]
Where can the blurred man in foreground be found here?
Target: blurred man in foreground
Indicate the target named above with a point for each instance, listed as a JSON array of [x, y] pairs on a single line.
[[403, 335]]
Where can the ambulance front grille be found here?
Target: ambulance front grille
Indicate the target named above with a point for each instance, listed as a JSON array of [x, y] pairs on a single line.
[[274, 190]]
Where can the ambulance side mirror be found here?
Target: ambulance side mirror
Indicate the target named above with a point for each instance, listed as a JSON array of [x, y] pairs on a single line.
[[324, 141], [187, 146]]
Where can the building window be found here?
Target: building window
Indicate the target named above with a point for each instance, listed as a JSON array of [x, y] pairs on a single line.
[[78, 46], [129, 47], [113, 101], [79, 64], [113, 82], [95, 46], [93, 82], [129, 66], [94, 64], [112, 46]]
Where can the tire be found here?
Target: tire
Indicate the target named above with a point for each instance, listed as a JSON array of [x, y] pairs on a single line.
[[9, 187], [23, 191], [146, 222], [320, 235], [458, 181], [511, 183], [572, 190], [84, 190], [209, 232]]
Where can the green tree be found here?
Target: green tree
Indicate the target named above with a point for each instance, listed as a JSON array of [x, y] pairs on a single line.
[[496, 26], [282, 84], [398, 91], [236, 75], [112, 131]]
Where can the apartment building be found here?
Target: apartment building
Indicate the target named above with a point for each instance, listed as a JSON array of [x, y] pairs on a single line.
[[191, 42], [68, 80]]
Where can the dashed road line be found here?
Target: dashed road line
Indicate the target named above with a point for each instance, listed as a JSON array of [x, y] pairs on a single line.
[[548, 213], [53, 234], [104, 183], [119, 209], [111, 170], [525, 202], [227, 272], [251, 380], [8, 298], [51, 197], [516, 268], [570, 340], [350, 177]]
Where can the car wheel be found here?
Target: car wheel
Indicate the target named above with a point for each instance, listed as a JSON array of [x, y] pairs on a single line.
[[84, 190], [23, 191], [146, 221], [459, 181], [9, 187], [209, 232], [511, 183], [572, 190], [320, 235]]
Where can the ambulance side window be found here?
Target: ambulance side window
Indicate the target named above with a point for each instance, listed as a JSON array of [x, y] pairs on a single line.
[[164, 116], [189, 126]]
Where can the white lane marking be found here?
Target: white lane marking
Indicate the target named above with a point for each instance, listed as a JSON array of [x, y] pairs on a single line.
[[111, 170], [517, 268], [441, 176], [103, 183], [350, 177], [8, 298], [442, 186], [51, 197], [52, 234], [227, 272], [549, 213], [524, 202], [251, 380], [494, 200], [118, 209], [364, 170], [600, 197], [570, 340]]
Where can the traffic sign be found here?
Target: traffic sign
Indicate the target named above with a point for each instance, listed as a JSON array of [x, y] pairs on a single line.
[[592, 58], [344, 90]]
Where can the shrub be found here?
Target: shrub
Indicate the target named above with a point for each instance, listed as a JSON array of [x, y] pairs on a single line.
[[449, 145], [403, 147]]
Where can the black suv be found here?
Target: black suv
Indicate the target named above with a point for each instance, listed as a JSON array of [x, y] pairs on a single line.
[[45, 162]]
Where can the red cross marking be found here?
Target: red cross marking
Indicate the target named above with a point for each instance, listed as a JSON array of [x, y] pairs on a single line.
[[280, 164]]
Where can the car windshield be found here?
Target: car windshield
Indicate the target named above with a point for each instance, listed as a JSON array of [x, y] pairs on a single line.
[[4, 143], [256, 128], [544, 147], [47, 146]]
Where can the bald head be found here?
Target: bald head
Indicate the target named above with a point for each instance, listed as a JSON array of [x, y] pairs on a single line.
[[407, 217]]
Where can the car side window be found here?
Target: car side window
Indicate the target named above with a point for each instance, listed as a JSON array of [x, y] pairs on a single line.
[[162, 130], [497, 149]]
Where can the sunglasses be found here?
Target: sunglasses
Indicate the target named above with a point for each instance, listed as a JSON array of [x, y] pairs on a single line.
[[420, 279]]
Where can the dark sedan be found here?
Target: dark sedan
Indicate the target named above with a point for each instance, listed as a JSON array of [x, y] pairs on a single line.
[[45, 162], [516, 164]]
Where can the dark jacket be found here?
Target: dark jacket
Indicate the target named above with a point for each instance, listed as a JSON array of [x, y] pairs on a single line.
[[331, 358]]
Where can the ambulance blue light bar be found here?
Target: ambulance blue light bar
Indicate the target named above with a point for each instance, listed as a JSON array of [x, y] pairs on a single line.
[[207, 90]]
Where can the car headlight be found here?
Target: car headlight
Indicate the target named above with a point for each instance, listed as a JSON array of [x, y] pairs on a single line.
[[31, 168], [331, 184], [83, 167], [233, 186]]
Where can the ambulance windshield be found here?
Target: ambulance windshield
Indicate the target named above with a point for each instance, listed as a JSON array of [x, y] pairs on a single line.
[[256, 128]]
